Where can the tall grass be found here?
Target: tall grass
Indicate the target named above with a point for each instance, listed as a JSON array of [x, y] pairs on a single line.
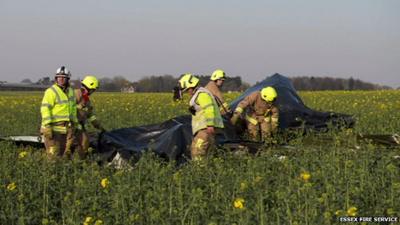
[[300, 184]]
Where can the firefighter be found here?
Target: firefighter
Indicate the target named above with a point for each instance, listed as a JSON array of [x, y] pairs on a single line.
[[261, 114], [216, 81], [59, 115], [206, 118], [86, 113]]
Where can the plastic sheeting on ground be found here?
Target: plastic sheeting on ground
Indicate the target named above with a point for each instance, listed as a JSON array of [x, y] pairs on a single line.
[[172, 138], [293, 113]]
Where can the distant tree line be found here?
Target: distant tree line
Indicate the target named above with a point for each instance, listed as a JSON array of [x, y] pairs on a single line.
[[329, 83], [106, 84], [230, 83], [41, 81], [166, 83]]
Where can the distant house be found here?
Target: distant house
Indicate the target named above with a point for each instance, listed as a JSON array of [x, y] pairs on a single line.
[[129, 89]]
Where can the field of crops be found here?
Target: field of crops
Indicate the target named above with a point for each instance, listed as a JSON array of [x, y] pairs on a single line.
[[305, 184]]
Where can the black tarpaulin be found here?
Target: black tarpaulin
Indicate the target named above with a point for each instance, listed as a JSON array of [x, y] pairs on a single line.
[[172, 138], [168, 139], [292, 111]]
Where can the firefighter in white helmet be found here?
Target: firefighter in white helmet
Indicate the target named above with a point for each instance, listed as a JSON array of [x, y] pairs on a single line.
[[59, 115], [206, 118], [86, 113], [216, 81], [261, 113]]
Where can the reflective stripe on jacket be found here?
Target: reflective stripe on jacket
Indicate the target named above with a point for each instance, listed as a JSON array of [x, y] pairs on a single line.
[[58, 106], [207, 112]]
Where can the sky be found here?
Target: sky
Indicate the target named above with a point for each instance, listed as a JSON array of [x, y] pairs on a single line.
[[252, 39]]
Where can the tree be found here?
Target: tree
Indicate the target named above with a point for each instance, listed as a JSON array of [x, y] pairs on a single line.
[[26, 81], [165, 83], [351, 83], [44, 81], [114, 84], [329, 83]]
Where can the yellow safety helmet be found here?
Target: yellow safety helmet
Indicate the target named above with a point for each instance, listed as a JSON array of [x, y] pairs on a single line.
[[188, 81], [90, 82], [269, 94], [218, 75]]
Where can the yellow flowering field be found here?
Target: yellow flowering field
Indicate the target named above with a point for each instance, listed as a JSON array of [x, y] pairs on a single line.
[[304, 183]]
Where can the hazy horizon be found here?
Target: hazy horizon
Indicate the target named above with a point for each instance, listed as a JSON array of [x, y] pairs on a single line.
[[177, 76], [359, 38]]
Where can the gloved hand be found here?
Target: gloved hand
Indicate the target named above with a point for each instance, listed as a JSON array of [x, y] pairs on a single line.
[[47, 132], [227, 115], [235, 118], [192, 110]]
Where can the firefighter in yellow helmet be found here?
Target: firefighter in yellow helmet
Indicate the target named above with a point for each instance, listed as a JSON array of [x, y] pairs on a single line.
[[86, 113], [261, 113], [216, 81], [206, 118], [59, 115]]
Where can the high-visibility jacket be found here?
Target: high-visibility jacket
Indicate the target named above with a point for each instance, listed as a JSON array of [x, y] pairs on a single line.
[[207, 112], [58, 106], [258, 109]]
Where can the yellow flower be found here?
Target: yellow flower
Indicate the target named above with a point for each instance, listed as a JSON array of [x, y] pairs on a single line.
[[390, 211], [327, 215], [392, 168], [352, 211], [243, 186], [238, 203], [119, 173], [45, 221], [22, 154], [134, 217], [11, 186], [176, 176], [88, 220], [339, 212], [104, 182], [305, 176], [257, 179], [98, 222]]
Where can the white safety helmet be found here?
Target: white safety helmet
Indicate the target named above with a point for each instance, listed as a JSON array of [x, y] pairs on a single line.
[[63, 72]]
